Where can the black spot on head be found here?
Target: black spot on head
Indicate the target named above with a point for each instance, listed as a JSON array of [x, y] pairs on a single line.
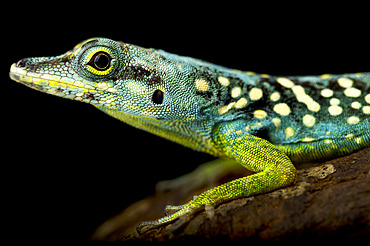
[[158, 97], [143, 74]]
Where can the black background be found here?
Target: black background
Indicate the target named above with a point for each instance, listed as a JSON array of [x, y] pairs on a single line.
[[67, 167]]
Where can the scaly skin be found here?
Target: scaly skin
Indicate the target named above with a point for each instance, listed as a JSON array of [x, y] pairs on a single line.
[[262, 122]]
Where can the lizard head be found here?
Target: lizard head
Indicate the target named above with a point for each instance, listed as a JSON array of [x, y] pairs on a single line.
[[121, 79]]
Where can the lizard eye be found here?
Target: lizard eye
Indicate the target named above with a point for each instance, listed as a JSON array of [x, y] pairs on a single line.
[[99, 58], [157, 97], [100, 61]]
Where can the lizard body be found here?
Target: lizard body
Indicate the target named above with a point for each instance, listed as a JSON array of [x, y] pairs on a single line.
[[264, 122]]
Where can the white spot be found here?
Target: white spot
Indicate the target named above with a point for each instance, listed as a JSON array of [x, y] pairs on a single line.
[[359, 140], [327, 93], [353, 120], [255, 94], [307, 139], [235, 92], [289, 132], [366, 109], [223, 81], [260, 114], [356, 105], [300, 94], [334, 101], [241, 103], [309, 120], [80, 94], [345, 82], [201, 84], [313, 106], [298, 91], [304, 98], [335, 110], [350, 136], [325, 76], [367, 98], [276, 122], [285, 82], [224, 109], [282, 109], [352, 92], [275, 96], [328, 141]]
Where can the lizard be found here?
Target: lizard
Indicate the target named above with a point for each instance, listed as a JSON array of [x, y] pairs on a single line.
[[266, 123]]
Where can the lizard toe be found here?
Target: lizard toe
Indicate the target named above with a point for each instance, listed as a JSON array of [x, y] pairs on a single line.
[[182, 214]]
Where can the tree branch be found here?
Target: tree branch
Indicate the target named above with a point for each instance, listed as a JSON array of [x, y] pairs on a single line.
[[330, 200]]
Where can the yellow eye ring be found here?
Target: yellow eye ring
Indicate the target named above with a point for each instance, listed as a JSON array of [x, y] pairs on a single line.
[[99, 62]]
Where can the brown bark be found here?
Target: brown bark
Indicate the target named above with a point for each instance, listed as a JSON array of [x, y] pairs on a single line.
[[330, 200]]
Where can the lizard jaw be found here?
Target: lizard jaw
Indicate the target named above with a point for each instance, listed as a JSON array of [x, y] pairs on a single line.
[[75, 88], [53, 84]]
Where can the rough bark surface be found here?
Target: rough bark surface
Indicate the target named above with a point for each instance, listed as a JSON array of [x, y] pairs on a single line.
[[330, 200]]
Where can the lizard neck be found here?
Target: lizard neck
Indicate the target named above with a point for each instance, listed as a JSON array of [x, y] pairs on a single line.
[[193, 134]]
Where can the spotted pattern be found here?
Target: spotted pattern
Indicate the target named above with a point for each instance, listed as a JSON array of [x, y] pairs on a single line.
[[292, 104]]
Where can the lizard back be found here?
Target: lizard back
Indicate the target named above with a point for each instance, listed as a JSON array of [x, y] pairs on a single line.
[[308, 117], [184, 99]]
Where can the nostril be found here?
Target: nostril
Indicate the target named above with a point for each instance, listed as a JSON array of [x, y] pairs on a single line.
[[21, 63]]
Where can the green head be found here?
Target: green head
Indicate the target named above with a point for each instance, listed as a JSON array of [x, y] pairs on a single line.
[[143, 87], [113, 75]]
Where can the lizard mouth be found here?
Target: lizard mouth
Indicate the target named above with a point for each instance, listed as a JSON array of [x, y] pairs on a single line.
[[58, 85], [45, 81], [21, 76]]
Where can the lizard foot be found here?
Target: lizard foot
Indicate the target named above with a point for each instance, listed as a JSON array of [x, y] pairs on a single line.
[[264, 181], [181, 216]]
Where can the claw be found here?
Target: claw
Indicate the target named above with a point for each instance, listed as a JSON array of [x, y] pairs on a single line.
[[183, 214]]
